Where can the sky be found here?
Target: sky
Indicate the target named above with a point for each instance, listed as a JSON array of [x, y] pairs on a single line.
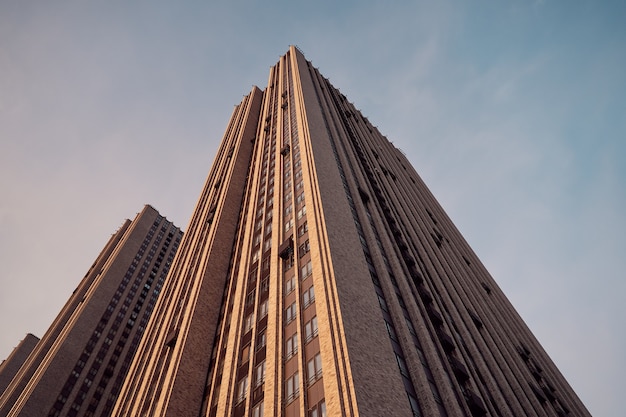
[[512, 111]]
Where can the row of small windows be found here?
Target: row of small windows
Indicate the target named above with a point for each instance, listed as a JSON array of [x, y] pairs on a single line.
[[263, 217], [314, 400], [290, 312], [292, 382], [263, 208]]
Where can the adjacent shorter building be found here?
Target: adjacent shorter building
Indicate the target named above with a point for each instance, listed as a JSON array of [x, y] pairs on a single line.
[[13, 363], [78, 366]]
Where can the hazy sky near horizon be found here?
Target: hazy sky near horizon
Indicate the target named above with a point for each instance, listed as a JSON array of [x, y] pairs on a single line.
[[513, 112]]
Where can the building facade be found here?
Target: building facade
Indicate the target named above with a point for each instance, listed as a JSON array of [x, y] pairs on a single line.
[[320, 277], [78, 366]]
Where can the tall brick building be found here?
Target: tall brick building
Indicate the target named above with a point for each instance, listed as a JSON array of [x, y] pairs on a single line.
[[11, 365], [78, 366], [320, 277]]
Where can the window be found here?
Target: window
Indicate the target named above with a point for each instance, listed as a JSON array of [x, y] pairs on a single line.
[[290, 285], [310, 329], [410, 326], [314, 369], [245, 354], [383, 303], [300, 198], [257, 411], [306, 270], [308, 297], [259, 374], [263, 309], [292, 388], [266, 263], [415, 408], [242, 389], [318, 410], [247, 324], [402, 365], [301, 212], [304, 248], [290, 313], [250, 298], [288, 263], [303, 229], [288, 225], [291, 346], [260, 341], [391, 331]]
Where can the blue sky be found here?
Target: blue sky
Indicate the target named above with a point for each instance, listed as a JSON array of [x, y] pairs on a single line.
[[512, 111]]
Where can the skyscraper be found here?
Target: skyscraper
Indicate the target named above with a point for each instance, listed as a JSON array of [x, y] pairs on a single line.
[[320, 277], [78, 366]]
